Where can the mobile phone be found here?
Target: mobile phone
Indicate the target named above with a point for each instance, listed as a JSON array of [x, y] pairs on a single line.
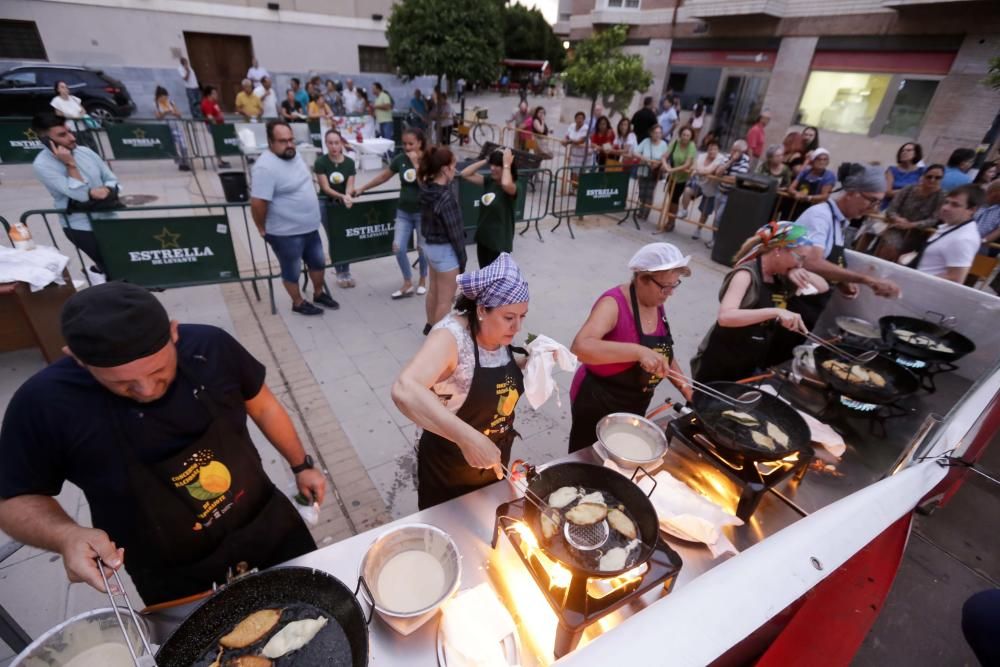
[[48, 143]]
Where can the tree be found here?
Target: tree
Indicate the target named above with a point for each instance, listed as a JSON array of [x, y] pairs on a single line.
[[527, 35], [599, 68], [452, 38]]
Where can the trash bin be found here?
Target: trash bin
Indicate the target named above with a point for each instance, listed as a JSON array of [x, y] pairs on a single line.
[[749, 206], [234, 186]]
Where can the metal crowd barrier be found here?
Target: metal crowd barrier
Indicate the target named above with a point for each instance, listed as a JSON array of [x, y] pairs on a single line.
[[595, 191]]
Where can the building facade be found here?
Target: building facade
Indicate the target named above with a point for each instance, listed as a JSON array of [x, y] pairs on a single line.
[[140, 41], [870, 74]]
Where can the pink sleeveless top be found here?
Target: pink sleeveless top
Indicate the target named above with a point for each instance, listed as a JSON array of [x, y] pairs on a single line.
[[624, 332]]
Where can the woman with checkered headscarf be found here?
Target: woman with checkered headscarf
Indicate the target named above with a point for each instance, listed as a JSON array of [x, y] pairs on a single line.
[[754, 298], [462, 386]]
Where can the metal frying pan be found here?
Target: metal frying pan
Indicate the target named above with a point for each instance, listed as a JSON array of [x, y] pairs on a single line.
[[933, 331], [735, 439], [898, 380], [608, 481], [301, 593]]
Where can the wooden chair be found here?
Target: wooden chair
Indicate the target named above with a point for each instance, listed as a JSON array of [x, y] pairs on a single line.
[[982, 268]]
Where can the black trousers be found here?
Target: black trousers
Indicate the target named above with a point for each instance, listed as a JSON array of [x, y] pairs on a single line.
[[486, 256], [87, 243]]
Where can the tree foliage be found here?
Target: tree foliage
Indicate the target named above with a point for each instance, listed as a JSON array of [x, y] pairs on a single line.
[[993, 73], [529, 36], [600, 68], [452, 38]]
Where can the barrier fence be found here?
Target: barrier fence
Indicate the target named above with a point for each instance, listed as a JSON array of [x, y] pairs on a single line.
[[596, 192]]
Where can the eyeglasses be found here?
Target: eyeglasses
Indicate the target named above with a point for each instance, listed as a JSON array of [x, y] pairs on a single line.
[[664, 288], [933, 178], [872, 201]]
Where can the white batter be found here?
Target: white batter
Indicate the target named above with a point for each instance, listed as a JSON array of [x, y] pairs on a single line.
[[108, 654], [629, 444], [410, 581]]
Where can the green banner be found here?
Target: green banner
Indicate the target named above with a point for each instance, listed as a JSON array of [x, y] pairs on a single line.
[[602, 192], [225, 139], [132, 141], [316, 133], [18, 142], [167, 252], [364, 231]]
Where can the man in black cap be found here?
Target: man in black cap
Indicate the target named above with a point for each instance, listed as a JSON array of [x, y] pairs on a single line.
[[148, 418]]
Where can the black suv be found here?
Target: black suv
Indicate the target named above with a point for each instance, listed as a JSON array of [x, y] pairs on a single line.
[[28, 89]]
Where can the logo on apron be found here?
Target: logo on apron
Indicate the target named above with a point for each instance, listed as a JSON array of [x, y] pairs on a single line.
[[336, 178], [207, 480], [779, 300], [410, 175], [488, 198], [507, 397]]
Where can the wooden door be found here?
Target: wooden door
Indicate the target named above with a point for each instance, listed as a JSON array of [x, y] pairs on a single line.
[[221, 61]]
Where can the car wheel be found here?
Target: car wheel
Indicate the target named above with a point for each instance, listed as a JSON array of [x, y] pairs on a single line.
[[101, 113]]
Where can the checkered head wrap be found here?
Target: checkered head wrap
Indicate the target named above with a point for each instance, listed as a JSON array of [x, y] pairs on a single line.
[[776, 235], [499, 284]]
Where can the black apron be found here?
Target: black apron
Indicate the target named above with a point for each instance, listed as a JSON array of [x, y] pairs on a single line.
[[442, 471], [205, 509], [735, 353], [628, 391]]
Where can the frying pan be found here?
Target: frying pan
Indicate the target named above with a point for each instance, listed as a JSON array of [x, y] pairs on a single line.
[[286, 588], [605, 480], [734, 439], [898, 380], [956, 341]]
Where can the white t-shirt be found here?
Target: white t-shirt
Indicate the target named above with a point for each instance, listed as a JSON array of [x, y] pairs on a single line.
[[573, 133], [954, 250], [70, 107], [709, 187], [629, 144], [352, 102], [269, 103], [255, 74], [192, 81]]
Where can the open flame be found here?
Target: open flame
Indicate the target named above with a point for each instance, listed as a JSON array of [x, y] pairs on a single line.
[[559, 576]]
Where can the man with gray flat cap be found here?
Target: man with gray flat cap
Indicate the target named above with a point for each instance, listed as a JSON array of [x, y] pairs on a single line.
[[148, 418]]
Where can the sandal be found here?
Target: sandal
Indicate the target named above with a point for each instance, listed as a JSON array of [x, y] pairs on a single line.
[[402, 293], [343, 282], [421, 290]]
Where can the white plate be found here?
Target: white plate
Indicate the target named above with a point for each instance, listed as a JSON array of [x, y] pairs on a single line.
[[510, 645]]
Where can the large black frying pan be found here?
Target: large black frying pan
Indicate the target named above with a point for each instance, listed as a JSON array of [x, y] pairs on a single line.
[[343, 642], [956, 341], [607, 481], [898, 380], [735, 439]]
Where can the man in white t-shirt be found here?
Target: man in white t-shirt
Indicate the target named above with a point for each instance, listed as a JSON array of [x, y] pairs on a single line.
[[191, 87], [352, 102], [256, 73], [268, 98], [951, 248]]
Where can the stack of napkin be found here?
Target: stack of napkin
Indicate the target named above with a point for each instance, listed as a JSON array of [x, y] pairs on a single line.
[[474, 623]]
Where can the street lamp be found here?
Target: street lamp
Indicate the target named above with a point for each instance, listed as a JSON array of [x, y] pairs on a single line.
[[566, 44]]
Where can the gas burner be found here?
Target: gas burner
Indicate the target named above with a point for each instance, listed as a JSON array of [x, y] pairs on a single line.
[[752, 479], [857, 405], [579, 600], [913, 364]]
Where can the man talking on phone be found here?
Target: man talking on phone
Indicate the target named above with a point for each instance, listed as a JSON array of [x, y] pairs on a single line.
[[78, 180]]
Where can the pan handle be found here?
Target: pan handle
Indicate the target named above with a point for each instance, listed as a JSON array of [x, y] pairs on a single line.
[[370, 598], [648, 476]]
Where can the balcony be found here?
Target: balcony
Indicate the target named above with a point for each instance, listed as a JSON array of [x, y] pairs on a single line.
[[709, 9]]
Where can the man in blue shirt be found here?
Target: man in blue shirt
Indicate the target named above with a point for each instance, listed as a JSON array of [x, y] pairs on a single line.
[[301, 96], [668, 117], [956, 172], [76, 177]]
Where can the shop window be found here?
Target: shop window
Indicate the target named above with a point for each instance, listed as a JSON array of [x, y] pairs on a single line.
[[623, 4], [19, 40], [843, 101], [910, 106], [374, 59]]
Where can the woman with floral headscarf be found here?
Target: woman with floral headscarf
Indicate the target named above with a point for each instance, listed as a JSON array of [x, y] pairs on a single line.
[[753, 302], [462, 386]]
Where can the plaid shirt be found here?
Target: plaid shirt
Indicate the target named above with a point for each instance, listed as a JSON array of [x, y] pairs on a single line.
[[441, 219], [987, 220]]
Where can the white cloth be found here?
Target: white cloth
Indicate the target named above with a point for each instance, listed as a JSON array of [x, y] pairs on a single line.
[[268, 101], [70, 107], [956, 250], [191, 81], [371, 145], [454, 389], [255, 74], [473, 624], [39, 267], [543, 356], [686, 514]]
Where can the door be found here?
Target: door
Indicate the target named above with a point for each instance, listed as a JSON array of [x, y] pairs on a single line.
[[221, 61], [738, 103]]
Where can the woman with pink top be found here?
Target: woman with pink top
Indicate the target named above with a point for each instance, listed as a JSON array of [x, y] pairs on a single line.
[[625, 345]]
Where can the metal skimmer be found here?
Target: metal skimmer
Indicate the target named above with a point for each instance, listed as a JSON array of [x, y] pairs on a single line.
[[586, 538]]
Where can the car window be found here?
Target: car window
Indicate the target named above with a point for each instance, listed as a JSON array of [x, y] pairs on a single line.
[[48, 77], [21, 78]]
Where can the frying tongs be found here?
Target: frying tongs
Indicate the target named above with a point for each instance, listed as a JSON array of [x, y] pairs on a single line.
[[554, 515], [146, 660], [862, 358], [745, 400]]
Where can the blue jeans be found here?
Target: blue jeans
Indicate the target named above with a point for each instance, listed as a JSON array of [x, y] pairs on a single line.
[[291, 250], [406, 224], [194, 102], [385, 129]]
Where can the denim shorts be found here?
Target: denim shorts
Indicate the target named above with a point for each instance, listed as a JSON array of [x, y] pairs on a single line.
[[441, 257], [291, 250]]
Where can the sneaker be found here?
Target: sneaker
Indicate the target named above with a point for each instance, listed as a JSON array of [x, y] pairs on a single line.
[[697, 233], [683, 213], [710, 244], [183, 167], [325, 299], [306, 308]]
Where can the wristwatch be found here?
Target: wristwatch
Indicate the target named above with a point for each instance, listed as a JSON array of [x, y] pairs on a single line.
[[305, 465]]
